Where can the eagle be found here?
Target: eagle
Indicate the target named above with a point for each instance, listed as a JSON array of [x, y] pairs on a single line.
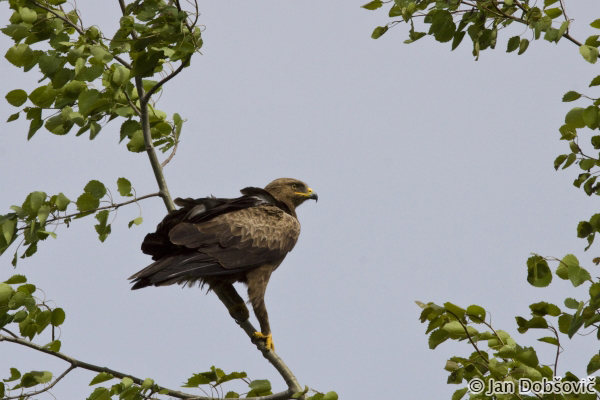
[[219, 241]]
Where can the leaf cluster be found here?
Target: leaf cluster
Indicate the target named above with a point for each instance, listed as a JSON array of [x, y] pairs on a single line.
[[30, 221], [497, 355], [151, 33], [20, 307], [481, 20]]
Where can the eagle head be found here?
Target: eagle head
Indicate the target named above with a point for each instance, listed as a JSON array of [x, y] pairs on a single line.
[[291, 191]]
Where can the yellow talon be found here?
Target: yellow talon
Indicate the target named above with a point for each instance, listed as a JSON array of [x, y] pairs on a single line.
[[268, 340]]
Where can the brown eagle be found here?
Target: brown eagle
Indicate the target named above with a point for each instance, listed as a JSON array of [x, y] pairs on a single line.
[[218, 241]]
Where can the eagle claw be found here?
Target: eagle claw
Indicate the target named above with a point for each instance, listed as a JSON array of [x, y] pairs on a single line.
[[268, 340]]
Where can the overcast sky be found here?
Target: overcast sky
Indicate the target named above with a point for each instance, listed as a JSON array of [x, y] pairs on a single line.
[[435, 182]]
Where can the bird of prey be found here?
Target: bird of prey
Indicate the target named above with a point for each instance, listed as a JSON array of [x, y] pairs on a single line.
[[217, 242]]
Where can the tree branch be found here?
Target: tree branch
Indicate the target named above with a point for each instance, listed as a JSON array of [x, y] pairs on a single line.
[[91, 367], [271, 356], [26, 395], [115, 206], [171, 155], [173, 74]]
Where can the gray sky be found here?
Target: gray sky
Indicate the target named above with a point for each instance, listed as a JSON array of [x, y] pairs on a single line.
[[435, 182]]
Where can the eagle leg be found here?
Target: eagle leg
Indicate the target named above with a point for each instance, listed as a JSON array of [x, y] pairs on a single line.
[[257, 281], [238, 310]]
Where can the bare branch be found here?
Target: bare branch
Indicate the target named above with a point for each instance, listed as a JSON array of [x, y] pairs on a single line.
[[154, 88], [171, 155]]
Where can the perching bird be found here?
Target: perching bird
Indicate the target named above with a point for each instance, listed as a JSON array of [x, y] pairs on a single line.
[[218, 242]]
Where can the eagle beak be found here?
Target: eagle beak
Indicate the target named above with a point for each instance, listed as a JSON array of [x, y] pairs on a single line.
[[311, 194]]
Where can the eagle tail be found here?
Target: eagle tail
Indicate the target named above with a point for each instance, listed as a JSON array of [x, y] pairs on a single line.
[[182, 268]]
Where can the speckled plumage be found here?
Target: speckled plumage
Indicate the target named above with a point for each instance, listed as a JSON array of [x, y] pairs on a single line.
[[217, 241]]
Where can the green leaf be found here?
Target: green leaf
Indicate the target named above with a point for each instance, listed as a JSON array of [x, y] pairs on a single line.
[[578, 275], [595, 24], [120, 76], [548, 339], [127, 382], [575, 117], [553, 12], [197, 380], [527, 356], [476, 313], [543, 308], [136, 143], [53, 346], [128, 128], [571, 96], [456, 310], [137, 221], [148, 383], [523, 46], [590, 117], [27, 15], [442, 26], [19, 55], [330, 396], [8, 229], [102, 228], [16, 279], [594, 364], [538, 272], [16, 97], [36, 199], [101, 54], [570, 160], [459, 394], [100, 393], [584, 229], [5, 293], [43, 97], [61, 202], [232, 395], [101, 377], [260, 385], [87, 99], [43, 213], [95, 188], [58, 317], [14, 375], [586, 165], [379, 31], [595, 81], [589, 53], [559, 160], [87, 202], [513, 44], [124, 187], [13, 117], [548, 3], [374, 5]]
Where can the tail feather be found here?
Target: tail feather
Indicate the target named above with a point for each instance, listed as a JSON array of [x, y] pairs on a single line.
[[179, 269]]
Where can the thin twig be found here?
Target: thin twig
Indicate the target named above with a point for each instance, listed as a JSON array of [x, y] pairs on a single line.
[[171, 155], [154, 88], [27, 395], [115, 206]]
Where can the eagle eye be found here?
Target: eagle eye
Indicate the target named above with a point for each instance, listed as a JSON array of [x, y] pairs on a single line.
[[294, 186]]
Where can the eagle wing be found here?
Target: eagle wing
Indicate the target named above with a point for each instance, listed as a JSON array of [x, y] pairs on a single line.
[[216, 237]]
